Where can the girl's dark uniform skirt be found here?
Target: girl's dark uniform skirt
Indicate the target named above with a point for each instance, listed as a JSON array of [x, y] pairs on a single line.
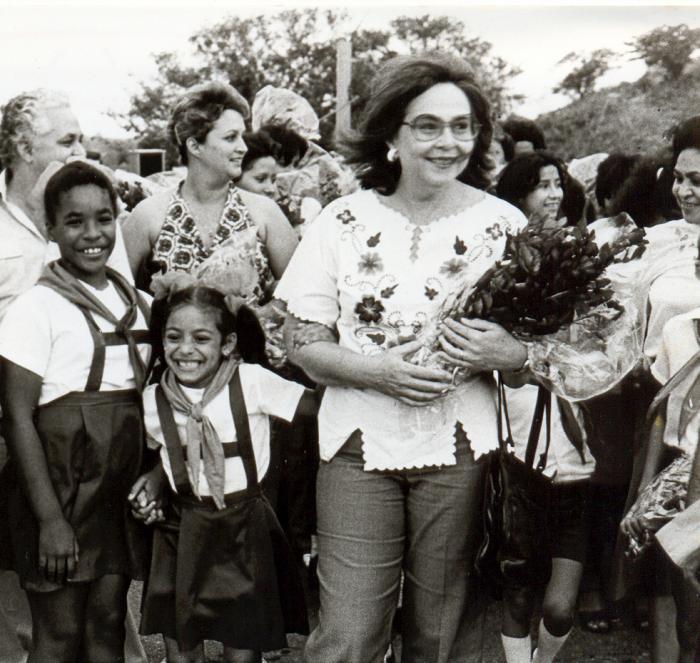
[[93, 441], [225, 575]]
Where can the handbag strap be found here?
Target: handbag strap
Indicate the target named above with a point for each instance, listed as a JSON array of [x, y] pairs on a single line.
[[543, 408], [503, 444]]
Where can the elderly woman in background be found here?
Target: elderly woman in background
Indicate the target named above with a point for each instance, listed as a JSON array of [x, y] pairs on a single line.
[[402, 448], [207, 214]]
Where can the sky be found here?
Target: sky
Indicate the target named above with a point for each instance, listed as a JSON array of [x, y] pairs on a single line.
[[99, 51]]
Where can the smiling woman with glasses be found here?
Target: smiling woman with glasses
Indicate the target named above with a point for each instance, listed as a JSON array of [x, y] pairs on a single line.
[[429, 127], [400, 484]]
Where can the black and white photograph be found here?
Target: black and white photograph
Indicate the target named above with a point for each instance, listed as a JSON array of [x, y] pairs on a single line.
[[349, 332]]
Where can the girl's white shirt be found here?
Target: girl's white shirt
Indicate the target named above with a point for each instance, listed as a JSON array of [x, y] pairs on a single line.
[[44, 333], [265, 394], [564, 463]]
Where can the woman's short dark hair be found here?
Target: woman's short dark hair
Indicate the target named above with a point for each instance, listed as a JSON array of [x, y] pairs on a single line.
[[686, 136], [612, 172], [645, 194], [250, 340], [289, 145], [522, 129], [196, 111], [398, 82], [259, 145], [73, 174], [508, 146]]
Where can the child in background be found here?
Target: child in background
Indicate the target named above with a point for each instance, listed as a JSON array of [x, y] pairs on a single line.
[[552, 558], [221, 568], [73, 352]]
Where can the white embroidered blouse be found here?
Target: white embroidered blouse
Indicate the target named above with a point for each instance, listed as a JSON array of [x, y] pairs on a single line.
[[366, 271]]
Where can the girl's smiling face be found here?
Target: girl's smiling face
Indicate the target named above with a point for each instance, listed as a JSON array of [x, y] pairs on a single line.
[[84, 229], [193, 344], [543, 202]]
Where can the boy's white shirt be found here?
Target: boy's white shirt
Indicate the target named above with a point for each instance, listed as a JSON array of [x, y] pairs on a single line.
[[44, 333], [265, 394]]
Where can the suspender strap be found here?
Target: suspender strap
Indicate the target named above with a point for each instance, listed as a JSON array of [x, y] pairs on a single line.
[[240, 420], [97, 367], [173, 444], [100, 341]]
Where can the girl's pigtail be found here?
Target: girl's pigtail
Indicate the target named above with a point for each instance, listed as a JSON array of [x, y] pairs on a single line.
[[159, 316], [251, 338]]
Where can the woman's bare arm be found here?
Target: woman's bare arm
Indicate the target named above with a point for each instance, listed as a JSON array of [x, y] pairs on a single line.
[[142, 226], [275, 230]]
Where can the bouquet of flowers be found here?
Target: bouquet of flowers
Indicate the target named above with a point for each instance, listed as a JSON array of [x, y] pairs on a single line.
[[566, 293], [547, 279], [660, 501]]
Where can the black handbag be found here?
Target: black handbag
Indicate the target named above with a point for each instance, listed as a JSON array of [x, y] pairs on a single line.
[[515, 504]]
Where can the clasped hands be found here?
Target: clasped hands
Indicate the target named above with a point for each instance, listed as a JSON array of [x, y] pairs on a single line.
[[472, 344]]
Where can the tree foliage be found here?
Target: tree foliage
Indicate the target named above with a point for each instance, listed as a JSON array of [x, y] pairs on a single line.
[[581, 80], [670, 47], [296, 49]]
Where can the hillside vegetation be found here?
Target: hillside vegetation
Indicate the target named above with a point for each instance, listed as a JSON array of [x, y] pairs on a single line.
[[631, 117]]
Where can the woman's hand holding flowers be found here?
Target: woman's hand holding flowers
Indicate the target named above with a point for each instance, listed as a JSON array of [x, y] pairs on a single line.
[[480, 345]]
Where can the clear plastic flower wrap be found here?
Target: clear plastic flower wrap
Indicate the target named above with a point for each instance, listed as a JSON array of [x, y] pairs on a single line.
[[572, 294], [660, 501]]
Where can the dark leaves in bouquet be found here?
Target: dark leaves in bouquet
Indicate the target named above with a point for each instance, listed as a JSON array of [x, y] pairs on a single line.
[[549, 277]]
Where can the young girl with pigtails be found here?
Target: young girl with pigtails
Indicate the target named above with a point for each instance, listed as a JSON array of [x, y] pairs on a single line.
[[221, 568]]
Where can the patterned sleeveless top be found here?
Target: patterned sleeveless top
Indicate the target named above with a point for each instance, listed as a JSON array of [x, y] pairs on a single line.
[[179, 244]]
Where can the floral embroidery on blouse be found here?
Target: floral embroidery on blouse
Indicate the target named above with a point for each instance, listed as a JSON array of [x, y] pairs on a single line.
[[453, 266], [369, 309], [378, 310], [495, 231], [370, 263], [179, 244]]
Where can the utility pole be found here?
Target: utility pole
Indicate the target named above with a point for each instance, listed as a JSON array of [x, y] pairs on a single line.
[[343, 76]]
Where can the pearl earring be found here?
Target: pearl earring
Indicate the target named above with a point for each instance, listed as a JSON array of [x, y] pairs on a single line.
[[392, 155]]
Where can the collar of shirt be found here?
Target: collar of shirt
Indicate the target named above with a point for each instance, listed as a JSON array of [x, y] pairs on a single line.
[[16, 213]]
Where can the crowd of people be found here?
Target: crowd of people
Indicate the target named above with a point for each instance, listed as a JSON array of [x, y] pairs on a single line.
[[219, 392]]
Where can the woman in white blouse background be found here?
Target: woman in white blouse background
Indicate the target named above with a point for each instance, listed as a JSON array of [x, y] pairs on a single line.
[[402, 448]]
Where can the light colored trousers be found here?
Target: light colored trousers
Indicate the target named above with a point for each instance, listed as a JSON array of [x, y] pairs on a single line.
[[371, 526]]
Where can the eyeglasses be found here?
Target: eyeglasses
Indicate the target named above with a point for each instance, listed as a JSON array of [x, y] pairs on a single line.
[[427, 127]]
